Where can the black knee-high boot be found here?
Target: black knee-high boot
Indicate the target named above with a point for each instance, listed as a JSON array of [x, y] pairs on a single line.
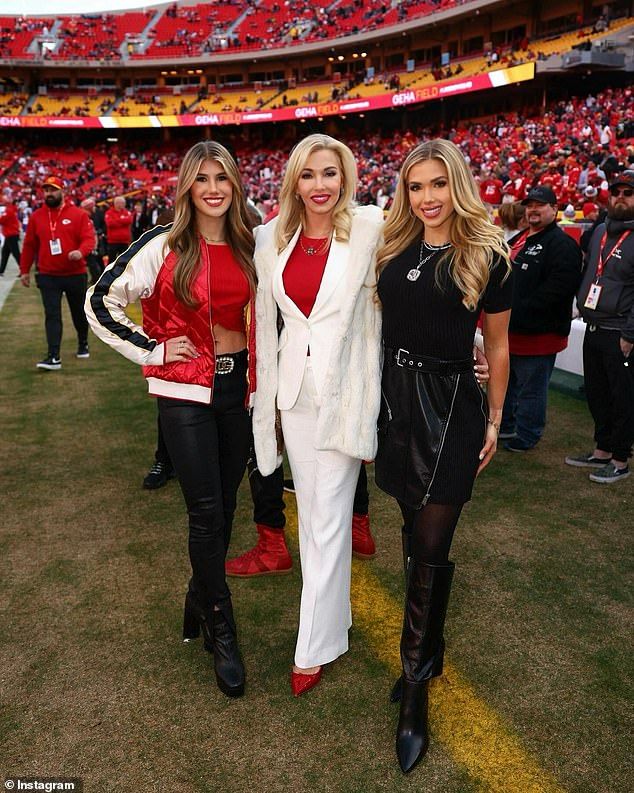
[[422, 649], [220, 638], [406, 540]]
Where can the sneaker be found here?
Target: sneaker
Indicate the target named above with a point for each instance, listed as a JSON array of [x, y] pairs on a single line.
[[610, 473], [516, 445], [269, 557], [83, 351], [289, 486], [588, 461], [51, 363], [363, 544], [158, 476]]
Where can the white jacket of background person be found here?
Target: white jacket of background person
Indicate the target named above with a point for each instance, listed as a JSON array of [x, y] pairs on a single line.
[[343, 332]]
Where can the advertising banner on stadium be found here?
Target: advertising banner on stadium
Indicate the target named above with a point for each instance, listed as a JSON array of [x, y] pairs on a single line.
[[404, 98]]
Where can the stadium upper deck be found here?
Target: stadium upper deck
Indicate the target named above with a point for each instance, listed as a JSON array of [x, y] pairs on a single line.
[[186, 30]]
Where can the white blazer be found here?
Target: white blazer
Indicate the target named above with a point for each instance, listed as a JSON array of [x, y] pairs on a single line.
[[300, 332], [344, 335]]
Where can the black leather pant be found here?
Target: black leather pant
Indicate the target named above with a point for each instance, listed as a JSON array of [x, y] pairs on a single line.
[[209, 447]]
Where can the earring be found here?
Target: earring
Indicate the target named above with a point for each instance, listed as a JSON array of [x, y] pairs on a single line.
[[297, 196], [409, 209]]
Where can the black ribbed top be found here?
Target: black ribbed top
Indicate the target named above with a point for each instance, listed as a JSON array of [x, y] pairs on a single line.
[[426, 320]]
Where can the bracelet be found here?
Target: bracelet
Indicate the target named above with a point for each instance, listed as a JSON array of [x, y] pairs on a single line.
[[494, 424]]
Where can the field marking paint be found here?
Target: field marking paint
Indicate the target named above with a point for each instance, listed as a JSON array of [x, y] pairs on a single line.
[[475, 736], [8, 281]]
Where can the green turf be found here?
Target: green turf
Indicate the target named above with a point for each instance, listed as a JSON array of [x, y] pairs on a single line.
[[96, 682]]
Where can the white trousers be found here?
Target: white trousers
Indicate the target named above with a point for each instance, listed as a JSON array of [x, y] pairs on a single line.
[[325, 483]]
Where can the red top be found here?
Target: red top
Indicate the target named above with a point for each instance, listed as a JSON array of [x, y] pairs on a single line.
[[303, 273], [229, 292], [9, 221], [68, 224], [118, 226]]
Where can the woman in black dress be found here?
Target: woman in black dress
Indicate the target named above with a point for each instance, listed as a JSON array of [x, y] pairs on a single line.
[[441, 264]]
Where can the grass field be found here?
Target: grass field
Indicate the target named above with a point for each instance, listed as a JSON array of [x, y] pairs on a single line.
[[97, 684]]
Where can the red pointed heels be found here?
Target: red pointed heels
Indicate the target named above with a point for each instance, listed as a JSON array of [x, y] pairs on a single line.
[[300, 684]]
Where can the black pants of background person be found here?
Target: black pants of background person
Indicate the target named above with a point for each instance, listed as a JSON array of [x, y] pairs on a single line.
[[9, 247], [95, 267], [609, 383], [114, 249], [209, 447], [52, 287]]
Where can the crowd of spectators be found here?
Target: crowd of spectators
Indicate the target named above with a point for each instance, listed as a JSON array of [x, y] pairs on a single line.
[[207, 27], [573, 147]]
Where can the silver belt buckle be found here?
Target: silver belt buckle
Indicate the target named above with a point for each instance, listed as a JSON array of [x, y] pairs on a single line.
[[398, 356], [224, 364]]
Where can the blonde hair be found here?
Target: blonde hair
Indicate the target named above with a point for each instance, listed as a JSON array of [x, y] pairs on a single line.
[[292, 213], [476, 241], [184, 238]]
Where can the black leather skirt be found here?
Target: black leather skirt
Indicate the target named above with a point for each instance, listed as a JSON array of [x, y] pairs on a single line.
[[431, 429]]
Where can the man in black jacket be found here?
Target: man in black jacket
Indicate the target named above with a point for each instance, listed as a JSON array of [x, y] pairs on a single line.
[[546, 274], [606, 303]]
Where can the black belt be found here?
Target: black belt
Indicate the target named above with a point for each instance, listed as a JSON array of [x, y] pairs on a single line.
[[424, 363], [594, 328], [227, 362]]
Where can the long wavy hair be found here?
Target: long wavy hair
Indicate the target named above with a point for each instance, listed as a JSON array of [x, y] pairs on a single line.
[[184, 237], [476, 241], [292, 214]]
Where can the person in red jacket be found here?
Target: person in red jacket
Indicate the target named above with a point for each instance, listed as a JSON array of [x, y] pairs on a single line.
[[10, 225], [118, 228], [196, 282], [58, 238]]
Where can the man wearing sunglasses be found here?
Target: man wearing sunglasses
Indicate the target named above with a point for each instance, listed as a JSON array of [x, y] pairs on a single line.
[[606, 303]]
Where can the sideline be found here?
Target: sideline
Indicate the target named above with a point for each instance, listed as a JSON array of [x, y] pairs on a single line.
[[475, 736], [8, 281]]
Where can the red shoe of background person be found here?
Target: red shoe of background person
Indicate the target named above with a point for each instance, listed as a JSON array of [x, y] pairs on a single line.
[[363, 544], [300, 684], [269, 557]]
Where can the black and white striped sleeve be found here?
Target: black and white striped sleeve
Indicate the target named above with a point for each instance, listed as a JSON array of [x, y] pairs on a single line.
[[130, 277]]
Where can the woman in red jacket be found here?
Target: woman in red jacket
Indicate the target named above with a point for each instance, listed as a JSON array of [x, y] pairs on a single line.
[[196, 282]]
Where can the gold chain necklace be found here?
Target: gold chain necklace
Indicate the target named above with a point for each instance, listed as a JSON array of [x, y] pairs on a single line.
[[208, 239], [319, 250]]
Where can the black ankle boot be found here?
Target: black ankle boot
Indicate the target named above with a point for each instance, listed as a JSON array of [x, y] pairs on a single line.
[[422, 648], [220, 639], [227, 660], [395, 693]]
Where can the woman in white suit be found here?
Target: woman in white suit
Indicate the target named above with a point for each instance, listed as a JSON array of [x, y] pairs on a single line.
[[318, 341]]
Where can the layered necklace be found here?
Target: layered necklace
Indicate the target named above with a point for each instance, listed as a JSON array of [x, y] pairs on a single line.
[[312, 250], [414, 273], [210, 239]]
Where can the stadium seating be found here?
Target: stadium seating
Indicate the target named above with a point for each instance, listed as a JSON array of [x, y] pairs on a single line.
[[97, 37], [71, 105]]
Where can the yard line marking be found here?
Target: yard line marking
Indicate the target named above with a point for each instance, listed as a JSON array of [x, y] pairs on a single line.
[[8, 281], [473, 733]]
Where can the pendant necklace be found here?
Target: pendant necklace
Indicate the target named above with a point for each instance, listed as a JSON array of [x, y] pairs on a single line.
[[414, 273], [318, 250]]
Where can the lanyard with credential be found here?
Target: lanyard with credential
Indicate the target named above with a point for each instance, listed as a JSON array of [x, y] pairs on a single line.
[[53, 226], [604, 259]]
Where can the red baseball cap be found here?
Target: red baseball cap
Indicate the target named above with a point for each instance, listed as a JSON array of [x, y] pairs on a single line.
[[54, 181], [589, 208]]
